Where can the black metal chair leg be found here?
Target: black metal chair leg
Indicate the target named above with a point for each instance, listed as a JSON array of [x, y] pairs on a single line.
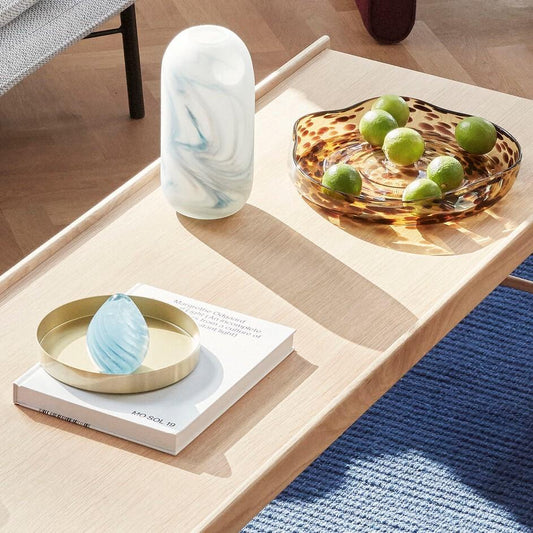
[[132, 62]]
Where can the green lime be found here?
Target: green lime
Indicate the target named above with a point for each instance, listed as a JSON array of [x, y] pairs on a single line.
[[403, 146], [395, 105], [343, 178], [374, 125], [421, 189], [446, 172], [475, 135]]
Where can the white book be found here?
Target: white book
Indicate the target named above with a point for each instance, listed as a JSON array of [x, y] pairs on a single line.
[[237, 351]]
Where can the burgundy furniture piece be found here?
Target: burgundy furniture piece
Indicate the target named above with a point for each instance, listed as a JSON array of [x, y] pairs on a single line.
[[388, 21]]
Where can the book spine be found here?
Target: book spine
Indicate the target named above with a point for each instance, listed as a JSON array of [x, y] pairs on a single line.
[[91, 419], [63, 417]]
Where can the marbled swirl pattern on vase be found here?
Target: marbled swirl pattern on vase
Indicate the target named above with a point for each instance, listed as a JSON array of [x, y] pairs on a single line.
[[207, 122]]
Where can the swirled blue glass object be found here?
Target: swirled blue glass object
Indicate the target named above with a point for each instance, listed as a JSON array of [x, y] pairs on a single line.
[[117, 337]]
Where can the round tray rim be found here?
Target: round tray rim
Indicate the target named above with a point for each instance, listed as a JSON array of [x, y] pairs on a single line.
[[119, 383]]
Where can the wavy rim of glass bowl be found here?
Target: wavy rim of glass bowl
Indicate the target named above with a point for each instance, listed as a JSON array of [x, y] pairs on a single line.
[[393, 203]]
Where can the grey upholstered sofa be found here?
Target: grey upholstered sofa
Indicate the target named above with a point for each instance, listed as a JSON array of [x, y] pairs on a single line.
[[34, 31]]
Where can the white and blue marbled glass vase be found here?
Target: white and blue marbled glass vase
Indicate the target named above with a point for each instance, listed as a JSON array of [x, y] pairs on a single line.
[[207, 122]]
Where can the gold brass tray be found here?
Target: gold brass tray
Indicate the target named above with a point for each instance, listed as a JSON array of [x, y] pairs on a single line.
[[173, 353]]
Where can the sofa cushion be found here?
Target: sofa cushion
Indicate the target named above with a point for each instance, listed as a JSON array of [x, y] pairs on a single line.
[[45, 30], [10, 9]]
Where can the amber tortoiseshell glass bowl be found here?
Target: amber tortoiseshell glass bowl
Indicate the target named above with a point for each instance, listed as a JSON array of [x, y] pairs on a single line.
[[324, 138]]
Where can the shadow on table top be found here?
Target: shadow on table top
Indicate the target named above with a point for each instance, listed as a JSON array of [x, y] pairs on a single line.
[[306, 276], [450, 238]]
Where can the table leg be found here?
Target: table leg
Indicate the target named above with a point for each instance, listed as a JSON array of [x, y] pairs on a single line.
[[518, 283]]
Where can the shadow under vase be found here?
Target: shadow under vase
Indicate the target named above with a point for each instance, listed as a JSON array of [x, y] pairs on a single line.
[[305, 275]]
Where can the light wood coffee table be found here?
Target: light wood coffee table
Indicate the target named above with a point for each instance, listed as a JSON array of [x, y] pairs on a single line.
[[367, 302]]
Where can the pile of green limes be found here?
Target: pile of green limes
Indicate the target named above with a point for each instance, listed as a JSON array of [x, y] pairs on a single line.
[[384, 126]]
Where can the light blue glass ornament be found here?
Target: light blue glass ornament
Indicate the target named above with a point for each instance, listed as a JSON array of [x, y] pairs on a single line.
[[117, 337]]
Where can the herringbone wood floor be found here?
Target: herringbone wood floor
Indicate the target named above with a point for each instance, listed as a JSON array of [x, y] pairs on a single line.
[[66, 139]]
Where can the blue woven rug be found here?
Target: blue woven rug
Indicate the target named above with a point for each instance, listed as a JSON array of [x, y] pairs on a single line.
[[448, 449]]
